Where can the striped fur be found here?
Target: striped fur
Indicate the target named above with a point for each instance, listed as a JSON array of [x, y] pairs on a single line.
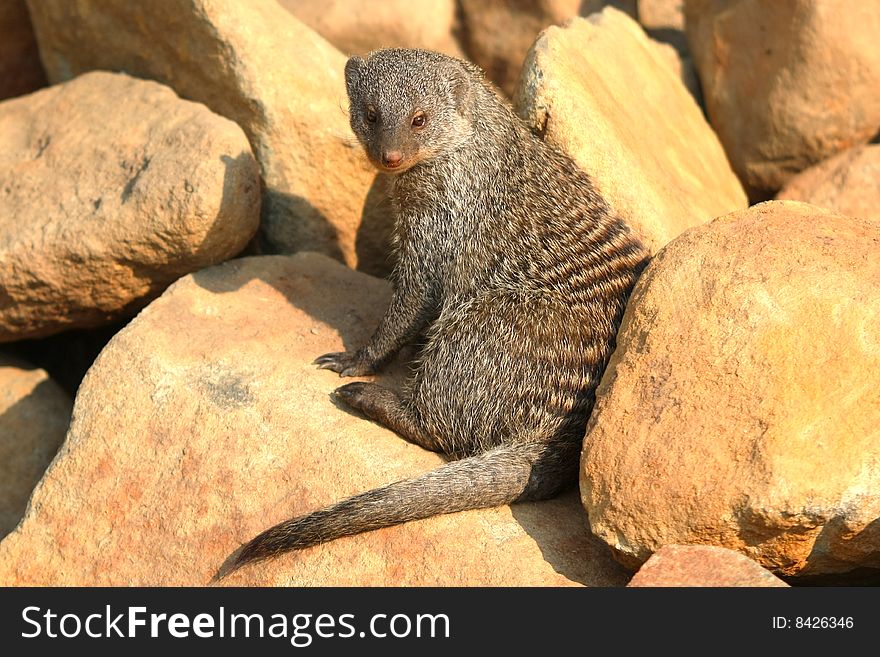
[[518, 271]]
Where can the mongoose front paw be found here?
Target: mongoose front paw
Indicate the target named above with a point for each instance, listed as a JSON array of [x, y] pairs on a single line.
[[345, 363]]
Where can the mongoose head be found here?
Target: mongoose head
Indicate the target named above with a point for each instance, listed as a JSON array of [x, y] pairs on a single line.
[[409, 106]]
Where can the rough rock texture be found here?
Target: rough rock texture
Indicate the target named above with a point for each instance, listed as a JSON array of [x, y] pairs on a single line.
[[740, 408], [110, 189], [34, 414], [357, 27], [497, 34], [203, 422], [20, 69], [663, 21], [702, 565], [255, 63], [786, 83], [848, 183], [629, 123]]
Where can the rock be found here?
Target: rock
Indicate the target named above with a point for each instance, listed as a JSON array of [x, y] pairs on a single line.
[[848, 183], [683, 68], [356, 27], [34, 414], [20, 69], [664, 20], [255, 63], [497, 34], [110, 189], [786, 84], [66, 356], [628, 122], [204, 422], [701, 565], [661, 14], [740, 408]]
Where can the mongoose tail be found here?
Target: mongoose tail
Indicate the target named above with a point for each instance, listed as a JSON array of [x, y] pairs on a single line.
[[505, 474]]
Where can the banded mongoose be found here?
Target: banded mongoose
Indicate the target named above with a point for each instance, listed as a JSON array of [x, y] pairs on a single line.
[[520, 271]]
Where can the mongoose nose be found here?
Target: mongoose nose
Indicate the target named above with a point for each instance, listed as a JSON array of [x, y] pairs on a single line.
[[392, 159]]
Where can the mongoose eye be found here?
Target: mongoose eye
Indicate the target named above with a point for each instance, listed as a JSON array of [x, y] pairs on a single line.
[[371, 115], [419, 120]]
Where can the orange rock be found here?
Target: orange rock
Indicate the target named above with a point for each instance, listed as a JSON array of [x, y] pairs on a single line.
[[110, 189], [701, 565], [630, 123], [664, 20], [254, 63], [357, 27], [740, 408], [848, 183], [34, 414], [204, 422], [787, 83], [497, 34]]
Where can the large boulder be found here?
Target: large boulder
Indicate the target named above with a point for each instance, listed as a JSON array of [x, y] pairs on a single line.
[[497, 34], [357, 27], [110, 189], [702, 565], [34, 414], [740, 408], [203, 422], [20, 69], [786, 83], [255, 63], [848, 183], [630, 123]]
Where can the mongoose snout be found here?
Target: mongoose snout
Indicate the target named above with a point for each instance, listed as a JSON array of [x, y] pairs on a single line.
[[392, 159]]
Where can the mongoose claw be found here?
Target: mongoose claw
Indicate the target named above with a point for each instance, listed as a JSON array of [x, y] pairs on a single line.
[[344, 363], [361, 396], [327, 361], [350, 392]]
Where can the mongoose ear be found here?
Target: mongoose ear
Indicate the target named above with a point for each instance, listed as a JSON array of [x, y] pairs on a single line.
[[462, 91], [353, 69]]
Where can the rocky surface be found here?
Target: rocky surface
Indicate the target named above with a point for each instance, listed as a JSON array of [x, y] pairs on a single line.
[[357, 27], [203, 422], [110, 189], [702, 565], [256, 64], [664, 20], [663, 171], [787, 83], [20, 69], [739, 412], [34, 414], [497, 34], [848, 183], [740, 408]]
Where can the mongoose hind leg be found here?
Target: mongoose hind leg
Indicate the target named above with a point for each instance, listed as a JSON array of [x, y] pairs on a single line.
[[385, 407]]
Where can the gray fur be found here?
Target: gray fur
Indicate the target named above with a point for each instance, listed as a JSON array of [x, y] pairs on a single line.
[[508, 255]]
